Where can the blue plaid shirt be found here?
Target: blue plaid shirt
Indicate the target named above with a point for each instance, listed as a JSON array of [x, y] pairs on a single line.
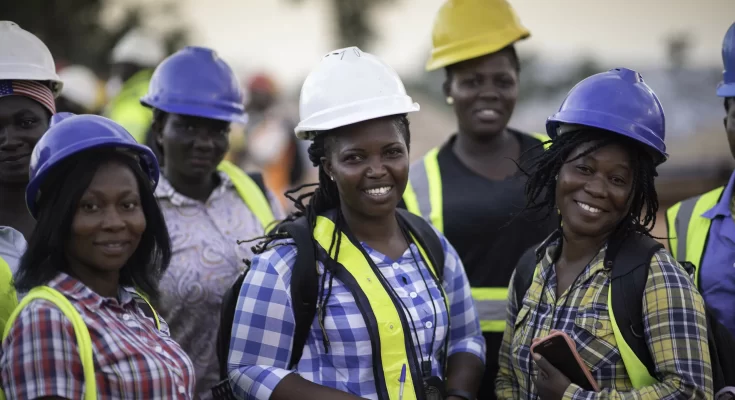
[[263, 327]]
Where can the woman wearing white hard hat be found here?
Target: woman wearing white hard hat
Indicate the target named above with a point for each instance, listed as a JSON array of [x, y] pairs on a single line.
[[470, 187], [28, 85], [393, 317]]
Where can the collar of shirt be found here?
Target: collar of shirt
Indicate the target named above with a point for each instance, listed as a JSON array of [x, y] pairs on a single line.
[[81, 293], [547, 263], [722, 208], [165, 190]]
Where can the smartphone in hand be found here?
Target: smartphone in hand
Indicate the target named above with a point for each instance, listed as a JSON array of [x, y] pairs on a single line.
[[561, 351]]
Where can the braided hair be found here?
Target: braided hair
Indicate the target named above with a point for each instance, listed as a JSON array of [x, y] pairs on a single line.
[[541, 184], [324, 197]]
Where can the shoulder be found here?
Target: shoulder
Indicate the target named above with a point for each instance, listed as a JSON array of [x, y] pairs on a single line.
[[666, 273], [711, 198], [38, 320], [278, 259]]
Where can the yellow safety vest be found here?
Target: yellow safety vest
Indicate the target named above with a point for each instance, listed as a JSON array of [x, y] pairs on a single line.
[[126, 110], [688, 230], [84, 341], [8, 296], [250, 193], [423, 196], [386, 322]]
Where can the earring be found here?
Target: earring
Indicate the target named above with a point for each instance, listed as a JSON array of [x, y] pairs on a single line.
[[332, 178], [556, 178], [450, 100]]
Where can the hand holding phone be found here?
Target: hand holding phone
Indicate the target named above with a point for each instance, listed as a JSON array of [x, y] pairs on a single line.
[[561, 352]]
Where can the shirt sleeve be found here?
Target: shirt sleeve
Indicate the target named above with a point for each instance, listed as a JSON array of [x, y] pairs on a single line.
[[263, 326], [676, 332], [465, 335], [506, 385], [40, 356]]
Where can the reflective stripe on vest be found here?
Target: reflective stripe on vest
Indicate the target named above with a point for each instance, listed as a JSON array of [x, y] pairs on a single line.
[[423, 196], [384, 316], [8, 296], [637, 372], [84, 341], [250, 193], [688, 238]]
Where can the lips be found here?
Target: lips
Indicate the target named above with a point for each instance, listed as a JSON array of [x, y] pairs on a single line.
[[14, 157], [590, 208], [113, 247], [488, 114], [380, 191]]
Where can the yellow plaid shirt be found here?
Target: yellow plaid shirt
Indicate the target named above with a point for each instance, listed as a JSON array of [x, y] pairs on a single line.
[[675, 328]]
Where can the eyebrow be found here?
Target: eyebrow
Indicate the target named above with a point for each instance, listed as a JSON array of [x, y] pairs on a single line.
[[360, 149]]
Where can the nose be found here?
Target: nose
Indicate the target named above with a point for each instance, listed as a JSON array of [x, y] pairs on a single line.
[[488, 91], [376, 168], [596, 187], [204, 141], [112, 220]]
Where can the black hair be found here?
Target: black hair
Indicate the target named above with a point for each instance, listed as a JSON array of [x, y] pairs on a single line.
[[541, 184], [728, 100], [512, 55], [323, 198], [61, 191]]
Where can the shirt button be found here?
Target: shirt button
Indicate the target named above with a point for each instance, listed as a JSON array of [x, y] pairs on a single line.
[[396, 266], [126, 317], [428, 325], [413, 295], [182, 390], [159, 349]]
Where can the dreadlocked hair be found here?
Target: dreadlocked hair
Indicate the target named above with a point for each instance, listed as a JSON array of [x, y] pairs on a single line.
[[323, 198], [541, 184]]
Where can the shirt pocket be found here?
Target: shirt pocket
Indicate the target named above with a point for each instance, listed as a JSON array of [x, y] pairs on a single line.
[[595, 339]]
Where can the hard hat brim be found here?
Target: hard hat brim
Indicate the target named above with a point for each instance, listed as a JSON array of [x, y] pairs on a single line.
[[612, 123], [199, 110], [474, 47], [145, 154], [353, 113], [32, 73], [726, 89]]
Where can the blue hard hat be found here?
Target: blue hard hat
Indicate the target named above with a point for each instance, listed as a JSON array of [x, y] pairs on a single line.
[[726, 88], [618, 101], [71, 134], [195, 81]]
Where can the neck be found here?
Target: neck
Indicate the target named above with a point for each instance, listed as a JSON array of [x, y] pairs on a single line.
[[105, 284], [13, 210], [482, 147], [579, 250], [197, 189], [371, 229]]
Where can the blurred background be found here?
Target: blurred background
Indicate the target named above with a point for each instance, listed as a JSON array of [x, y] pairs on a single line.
[[272, 45]]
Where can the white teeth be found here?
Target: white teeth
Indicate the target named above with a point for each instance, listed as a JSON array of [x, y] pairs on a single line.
[[379, 191], [589, 208], [488, 113]]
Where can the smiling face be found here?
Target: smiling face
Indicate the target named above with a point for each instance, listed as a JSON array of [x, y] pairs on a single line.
[[369, 164], [108, 223], [22, 123], [593, 191], [485, 90]]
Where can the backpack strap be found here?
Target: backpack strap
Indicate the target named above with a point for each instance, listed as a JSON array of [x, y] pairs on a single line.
[[632, 258], [304, 284], [427, 238], [524, 271], [226, 318], [84, 341]]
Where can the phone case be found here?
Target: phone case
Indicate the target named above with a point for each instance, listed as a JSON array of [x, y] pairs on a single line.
[[572, 347]]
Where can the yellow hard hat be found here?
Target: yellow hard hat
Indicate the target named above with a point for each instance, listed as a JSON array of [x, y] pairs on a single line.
[[466, 29]]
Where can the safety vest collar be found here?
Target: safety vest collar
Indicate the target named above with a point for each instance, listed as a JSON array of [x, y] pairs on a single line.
[[722, 208], [390, 334]]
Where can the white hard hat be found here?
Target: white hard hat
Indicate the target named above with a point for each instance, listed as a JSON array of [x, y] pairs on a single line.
[[80, 86], [23, 56], [350, 86], [139, 47]]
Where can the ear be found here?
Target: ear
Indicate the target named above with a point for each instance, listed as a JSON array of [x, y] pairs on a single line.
[[447, 86], [327, 166]]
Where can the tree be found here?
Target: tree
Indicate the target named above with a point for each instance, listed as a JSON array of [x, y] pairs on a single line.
[[73, 31], [353, 22]]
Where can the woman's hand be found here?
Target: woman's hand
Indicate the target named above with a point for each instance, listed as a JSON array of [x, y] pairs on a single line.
[[551, 383]]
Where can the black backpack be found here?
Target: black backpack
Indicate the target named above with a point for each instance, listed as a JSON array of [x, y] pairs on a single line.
[[630, 261], [305, 288]]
